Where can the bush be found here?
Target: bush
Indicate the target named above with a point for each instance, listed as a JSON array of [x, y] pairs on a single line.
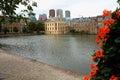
[[31, 26], [72, 30], [107, 59], [5, 30], [24, 29], [15, 29]]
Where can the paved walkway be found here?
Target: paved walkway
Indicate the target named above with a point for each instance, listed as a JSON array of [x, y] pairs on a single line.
[[13, 67]]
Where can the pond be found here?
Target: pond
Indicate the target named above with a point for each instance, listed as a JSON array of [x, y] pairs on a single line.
[[71, 52]]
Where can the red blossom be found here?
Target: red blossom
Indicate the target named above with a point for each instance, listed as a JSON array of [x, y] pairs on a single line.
[[99, 54], [108, 22], [102, 32], [106, 13], [118, 14], [92, 74], [92, 66], [94, 58], [97, 39], [86, 78], [113, 78], [100, 44]]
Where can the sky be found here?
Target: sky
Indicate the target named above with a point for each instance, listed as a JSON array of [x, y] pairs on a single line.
[[78, 8]]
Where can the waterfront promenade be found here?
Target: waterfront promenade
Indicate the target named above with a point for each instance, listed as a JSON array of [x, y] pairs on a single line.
[[13, 67]]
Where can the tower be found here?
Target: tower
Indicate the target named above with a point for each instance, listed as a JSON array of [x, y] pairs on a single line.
[[51, 13], [59, 13], [67, 15]]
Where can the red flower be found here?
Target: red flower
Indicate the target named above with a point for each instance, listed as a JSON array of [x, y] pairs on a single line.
[[86, 78], [100, 44], [92, 74], [108, 22], [102, 33], [94, 58], [99, 54], [118, 14], [97, 39], [113, 78], [92, 65], [106, 13], [96, 68]]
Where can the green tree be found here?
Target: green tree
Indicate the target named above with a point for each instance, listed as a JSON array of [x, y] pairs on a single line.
[[8, 9], [15, 29], [24, 29], [72, 30], [5, 30], [31, 26], [40, 27]]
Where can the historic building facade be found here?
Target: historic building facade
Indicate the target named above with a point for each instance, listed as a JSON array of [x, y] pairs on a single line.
[[56, 27], [18, 25], [86, 25]]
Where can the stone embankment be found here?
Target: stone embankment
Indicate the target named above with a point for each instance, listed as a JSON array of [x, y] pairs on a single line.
[[13, 67]]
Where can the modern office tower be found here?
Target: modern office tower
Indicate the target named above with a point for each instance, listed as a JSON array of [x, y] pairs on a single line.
[[67, 15], [59, 13], [51, 13], [42, 17]]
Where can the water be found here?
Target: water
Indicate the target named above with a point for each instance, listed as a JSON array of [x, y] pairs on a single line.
[[71, 52]]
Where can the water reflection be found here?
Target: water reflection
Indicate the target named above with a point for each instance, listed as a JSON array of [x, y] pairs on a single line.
[[71, 52]]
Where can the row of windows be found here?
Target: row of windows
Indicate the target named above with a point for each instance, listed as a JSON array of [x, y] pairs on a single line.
[[55, 32], [52, 24], [53, 29]]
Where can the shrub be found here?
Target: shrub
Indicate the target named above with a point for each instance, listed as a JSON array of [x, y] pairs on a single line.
[[15, 29], [107, 59], [24, 29], [5, 30]]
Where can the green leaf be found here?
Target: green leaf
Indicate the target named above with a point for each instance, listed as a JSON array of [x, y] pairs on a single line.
[[92, 78], [117, 40], [106, 71]]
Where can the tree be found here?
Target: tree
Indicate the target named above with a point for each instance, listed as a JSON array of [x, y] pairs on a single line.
[[5, 29], [8, 9], [24, 29], [15, 29], [107, 59], [39, 27], [31, 26], [72, 30]]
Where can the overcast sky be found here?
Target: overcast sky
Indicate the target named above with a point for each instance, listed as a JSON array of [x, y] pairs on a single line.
[[78, 8]]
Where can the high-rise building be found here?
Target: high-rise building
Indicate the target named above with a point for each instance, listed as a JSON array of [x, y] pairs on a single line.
[[59, 13], [67, 15], [51, 13], [42, 17]]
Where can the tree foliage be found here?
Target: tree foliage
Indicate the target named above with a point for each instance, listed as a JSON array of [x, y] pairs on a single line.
[[5, 30], [31, 26], [24, 29], [15, 29], [8, 8]]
